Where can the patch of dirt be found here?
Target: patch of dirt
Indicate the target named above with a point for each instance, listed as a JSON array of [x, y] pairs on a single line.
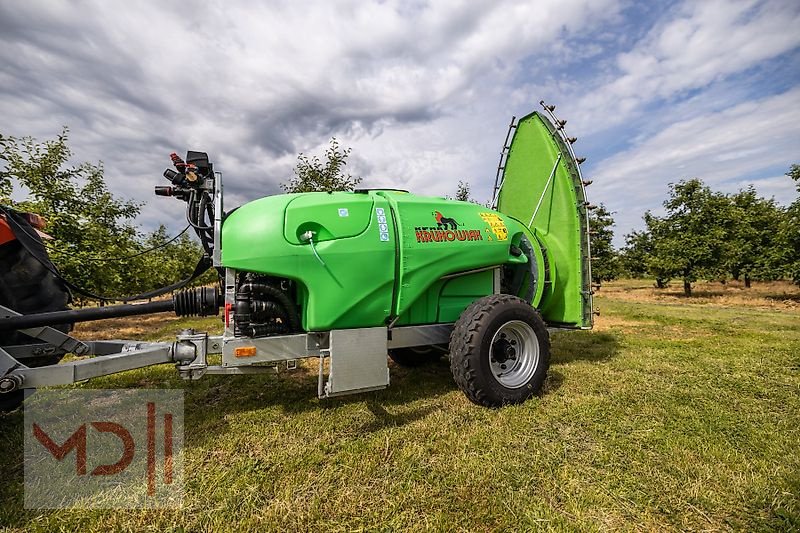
[[781, 295], [123, 328]]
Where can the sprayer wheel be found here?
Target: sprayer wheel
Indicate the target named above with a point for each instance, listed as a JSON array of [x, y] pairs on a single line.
[[417, 355], [26, 286], [500, 351]]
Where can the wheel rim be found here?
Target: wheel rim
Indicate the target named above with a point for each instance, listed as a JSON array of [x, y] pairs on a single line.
[[514, 354]]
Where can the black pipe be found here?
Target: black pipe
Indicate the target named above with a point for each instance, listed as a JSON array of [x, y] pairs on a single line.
[[280, 296], [83, 315], [201, 301]]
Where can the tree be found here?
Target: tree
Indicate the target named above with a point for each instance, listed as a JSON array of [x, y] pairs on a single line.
[[753, 248], [83, 217], [634, 255], [690, 241], [171, 259], [5, 179], [789, 237], [95, 243], [462, 193], [605, 264], [313, 174]]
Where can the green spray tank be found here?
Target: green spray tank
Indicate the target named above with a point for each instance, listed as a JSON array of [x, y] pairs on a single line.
[[377, 257]]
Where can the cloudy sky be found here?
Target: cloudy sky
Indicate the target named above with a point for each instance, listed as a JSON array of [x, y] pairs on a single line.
[[422, 91]]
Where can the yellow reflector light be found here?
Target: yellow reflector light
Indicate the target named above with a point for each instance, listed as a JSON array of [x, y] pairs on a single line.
[[244, 351]]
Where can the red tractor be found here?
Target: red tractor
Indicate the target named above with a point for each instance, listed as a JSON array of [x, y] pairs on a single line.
[[28, 284]]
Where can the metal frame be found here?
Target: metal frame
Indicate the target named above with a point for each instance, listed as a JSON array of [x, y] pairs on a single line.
[[190, 353], [574, 167], [217, 258]]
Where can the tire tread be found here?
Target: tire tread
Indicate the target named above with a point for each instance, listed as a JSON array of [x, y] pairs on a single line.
[[466, 338]]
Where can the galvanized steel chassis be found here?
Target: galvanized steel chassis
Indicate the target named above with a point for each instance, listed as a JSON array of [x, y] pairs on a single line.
[[357, 357]]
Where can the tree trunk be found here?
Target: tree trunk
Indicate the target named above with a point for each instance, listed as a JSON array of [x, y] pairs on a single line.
[[687, 288], [747, 281], [660, 283]]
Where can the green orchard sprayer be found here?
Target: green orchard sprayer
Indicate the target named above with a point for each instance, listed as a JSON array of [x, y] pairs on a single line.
[[344, 277]]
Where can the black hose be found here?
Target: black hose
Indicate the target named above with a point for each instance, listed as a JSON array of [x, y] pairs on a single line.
[[202, 301], [83, 315], [280, 296]]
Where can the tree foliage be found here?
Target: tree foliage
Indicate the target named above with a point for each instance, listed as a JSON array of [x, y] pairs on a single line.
[[462, 193], [633, 256], [789, 233], [710, 235], [605, 264], [689, 241], [753, 251], [95, 243], [328, 175]]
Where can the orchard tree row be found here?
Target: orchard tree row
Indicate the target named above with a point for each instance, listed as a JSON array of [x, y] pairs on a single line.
[[705, 235]]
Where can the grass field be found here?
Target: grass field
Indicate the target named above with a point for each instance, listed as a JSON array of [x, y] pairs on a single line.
[[673, 414]]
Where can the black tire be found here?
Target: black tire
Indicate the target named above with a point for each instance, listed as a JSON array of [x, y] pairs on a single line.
[[26, 286], [416, 355], [500, 351]]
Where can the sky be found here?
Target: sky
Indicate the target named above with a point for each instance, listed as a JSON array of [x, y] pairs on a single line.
[[422, 92]]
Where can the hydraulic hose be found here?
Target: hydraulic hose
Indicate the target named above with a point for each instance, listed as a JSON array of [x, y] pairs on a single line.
[[275, 294], [203, 301]]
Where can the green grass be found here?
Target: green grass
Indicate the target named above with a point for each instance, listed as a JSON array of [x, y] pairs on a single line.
[[670, 415]]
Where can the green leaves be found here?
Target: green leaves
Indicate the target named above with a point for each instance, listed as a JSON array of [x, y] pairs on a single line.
[[709, 235], [789, 235], [462, 193], [313, 174], [605, 264], [94, 235]]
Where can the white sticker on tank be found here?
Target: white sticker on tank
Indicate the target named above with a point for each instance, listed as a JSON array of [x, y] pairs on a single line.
[[343, 212], [383, 226]]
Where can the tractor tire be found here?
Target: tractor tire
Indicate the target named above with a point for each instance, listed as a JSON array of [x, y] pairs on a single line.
[[500, 351], [416, 355], [26, 286]]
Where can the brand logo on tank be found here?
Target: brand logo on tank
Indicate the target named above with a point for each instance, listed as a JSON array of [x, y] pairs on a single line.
[[446, 230]]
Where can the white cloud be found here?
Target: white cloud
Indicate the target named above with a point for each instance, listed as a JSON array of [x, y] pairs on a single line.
[[255, 83], [701, 43], [722, 148], [422, 91]]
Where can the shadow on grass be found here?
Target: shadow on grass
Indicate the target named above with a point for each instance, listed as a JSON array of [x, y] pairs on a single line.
[[743, 293], [295, 393], [782, 297], [210, 403], [592, 346], [554, 381]]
